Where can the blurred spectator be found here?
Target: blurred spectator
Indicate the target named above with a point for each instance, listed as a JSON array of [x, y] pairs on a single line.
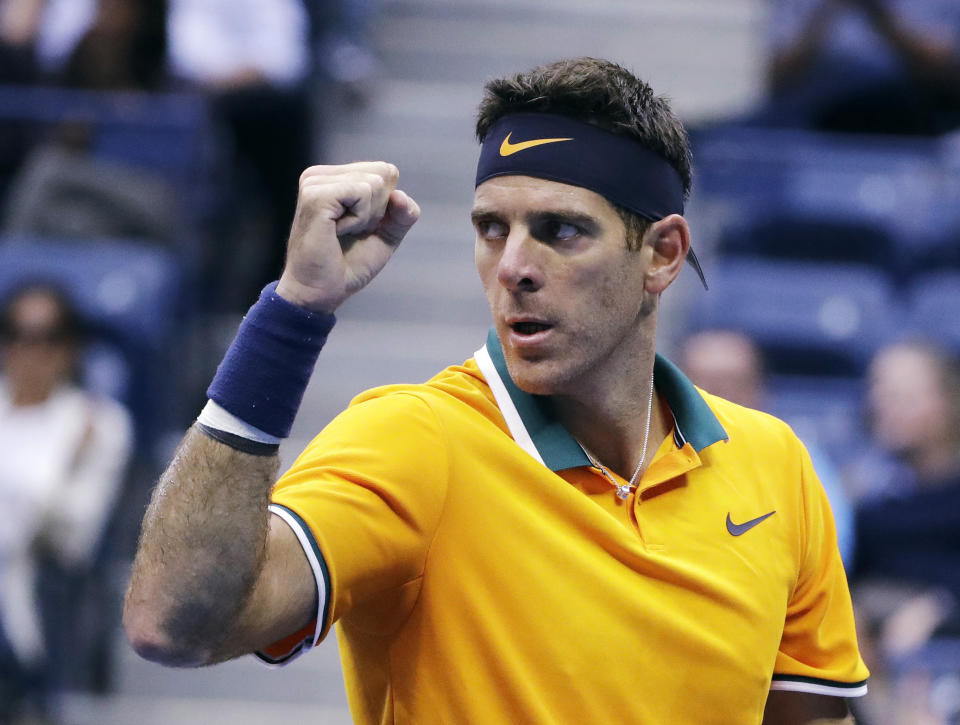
[[61, 188], [914, 420], [728, 364], [63, 454], [18, 23], [907, 573], [253, 58], [869, 66], [124, 48], [47, 35], [18, 20]]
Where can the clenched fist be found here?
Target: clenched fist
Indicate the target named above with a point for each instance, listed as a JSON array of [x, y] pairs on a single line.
[[349, 221]]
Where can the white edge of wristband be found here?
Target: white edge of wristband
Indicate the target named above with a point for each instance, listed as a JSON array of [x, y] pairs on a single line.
[[216, 416]]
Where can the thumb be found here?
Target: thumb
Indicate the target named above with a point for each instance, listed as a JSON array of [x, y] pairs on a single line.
[[402, 213]]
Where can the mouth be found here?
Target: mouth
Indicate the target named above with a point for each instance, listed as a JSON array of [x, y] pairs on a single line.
[[528, 332], [529, 327]]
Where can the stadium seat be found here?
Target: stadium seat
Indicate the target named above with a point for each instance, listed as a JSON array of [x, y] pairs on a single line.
[[809, 319], [168, 136], [163, 132], [935, 307], [790, 234], [889, 199]]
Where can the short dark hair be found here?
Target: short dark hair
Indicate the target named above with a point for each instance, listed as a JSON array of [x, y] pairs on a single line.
[[70, 325], [598, 92]]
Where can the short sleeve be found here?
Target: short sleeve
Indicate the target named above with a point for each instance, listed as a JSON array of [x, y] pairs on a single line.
[[364, 499], [818, 651]]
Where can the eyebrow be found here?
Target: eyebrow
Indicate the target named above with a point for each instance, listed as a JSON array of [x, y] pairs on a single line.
[[570, 217], [482, 215]]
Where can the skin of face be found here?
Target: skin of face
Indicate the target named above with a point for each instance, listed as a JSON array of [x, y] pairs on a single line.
[[35, 366], [725, 364], [909, 410], [567, 296]]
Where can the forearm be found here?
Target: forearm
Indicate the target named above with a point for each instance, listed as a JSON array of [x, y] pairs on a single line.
[[212, 578], [200, 553]]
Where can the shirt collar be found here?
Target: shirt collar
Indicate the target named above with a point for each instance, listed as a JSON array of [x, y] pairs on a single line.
[[534, 428]]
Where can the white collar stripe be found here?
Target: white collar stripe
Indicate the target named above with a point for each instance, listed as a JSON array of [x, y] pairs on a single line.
[[514, 422]]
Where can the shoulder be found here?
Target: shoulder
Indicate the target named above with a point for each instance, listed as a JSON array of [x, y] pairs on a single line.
[[455, 391], [749, 427], [761, 453]]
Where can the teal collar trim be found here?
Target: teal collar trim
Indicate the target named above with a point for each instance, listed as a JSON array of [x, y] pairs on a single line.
[[696, 424], [534, 428]]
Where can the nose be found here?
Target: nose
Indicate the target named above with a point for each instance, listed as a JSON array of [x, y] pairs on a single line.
[[518, 268]]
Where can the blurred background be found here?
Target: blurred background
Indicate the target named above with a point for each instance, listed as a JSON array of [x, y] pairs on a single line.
[[149, 156]]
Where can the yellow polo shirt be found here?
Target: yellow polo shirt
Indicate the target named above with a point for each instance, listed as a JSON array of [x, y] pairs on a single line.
[[480, 570]]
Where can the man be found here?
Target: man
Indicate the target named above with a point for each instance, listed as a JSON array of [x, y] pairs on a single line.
[[537, 535]]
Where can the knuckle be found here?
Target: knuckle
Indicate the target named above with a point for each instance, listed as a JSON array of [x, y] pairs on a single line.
[[375, 181], [309, 173], [389, 172]]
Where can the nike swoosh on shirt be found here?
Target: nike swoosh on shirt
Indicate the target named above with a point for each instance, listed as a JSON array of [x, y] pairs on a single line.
[[739, 529], [507, 148]]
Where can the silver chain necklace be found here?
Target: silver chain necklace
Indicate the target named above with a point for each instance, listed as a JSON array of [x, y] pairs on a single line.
[[623, 489]]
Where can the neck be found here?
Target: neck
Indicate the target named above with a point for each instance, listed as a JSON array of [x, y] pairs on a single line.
[[611, 422]]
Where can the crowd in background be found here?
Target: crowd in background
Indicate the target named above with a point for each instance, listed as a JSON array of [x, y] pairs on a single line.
[[67, 450], [168, 134]]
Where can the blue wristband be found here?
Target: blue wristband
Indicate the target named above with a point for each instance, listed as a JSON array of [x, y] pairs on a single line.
[[267, 367]]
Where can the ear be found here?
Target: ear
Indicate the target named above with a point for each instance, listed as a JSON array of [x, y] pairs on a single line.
[[669, 242]]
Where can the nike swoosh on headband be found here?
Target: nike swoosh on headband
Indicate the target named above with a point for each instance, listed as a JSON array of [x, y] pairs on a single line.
[[507, 148]]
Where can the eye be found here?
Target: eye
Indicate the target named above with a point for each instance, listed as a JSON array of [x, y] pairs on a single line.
[[490, 229], [555, 230]]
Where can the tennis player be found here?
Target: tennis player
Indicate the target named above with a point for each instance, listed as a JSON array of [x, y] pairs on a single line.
[[562, 529]]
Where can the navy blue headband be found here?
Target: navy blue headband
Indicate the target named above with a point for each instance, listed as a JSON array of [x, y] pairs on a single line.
[[573, 152], [562, 149]]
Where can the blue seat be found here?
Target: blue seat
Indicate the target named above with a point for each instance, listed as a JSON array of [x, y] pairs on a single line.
[[130, 294], [169, 136], [892, 196], [791, 234], [808, 319], [935, 307], [163, 132]]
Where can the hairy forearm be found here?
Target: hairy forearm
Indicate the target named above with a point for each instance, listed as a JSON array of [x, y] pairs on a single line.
[[201, 548]]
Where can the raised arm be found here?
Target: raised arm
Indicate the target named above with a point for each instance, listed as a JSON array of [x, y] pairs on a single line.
[[215, 575]]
